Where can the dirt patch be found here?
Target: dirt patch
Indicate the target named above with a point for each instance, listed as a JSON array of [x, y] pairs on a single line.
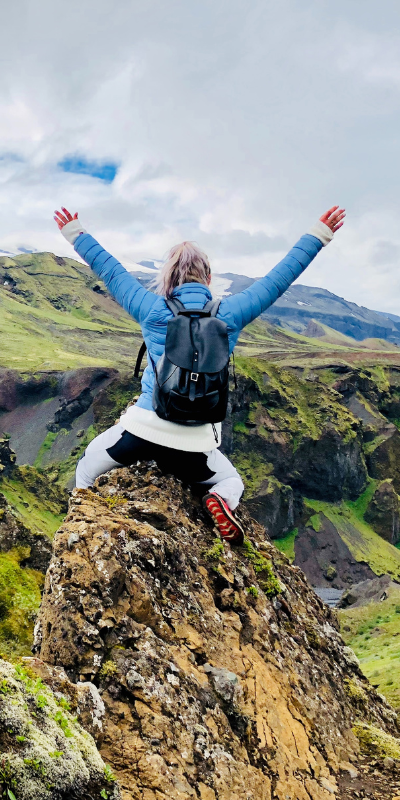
[[323, 553], [374, 780]]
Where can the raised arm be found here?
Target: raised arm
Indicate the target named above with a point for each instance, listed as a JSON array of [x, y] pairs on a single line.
[[249, 304], [128, 292]]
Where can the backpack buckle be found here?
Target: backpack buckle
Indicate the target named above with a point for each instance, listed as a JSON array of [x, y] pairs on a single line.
[[194, 376]]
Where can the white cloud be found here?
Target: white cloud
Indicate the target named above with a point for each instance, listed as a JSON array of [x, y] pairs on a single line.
[[233, 124]]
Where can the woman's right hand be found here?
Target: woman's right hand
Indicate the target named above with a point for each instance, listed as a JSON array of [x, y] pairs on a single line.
[[334, 218], [63, 218]]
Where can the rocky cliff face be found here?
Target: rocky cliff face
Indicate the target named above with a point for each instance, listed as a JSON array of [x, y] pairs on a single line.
[[298, 428], [222, 674]]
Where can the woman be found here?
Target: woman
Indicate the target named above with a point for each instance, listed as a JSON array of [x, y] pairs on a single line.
[[189, 453]]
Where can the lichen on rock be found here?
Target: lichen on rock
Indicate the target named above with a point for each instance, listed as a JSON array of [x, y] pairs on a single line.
[[45, 754]]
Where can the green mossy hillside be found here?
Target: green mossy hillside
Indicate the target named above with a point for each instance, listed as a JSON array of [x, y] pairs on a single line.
[[20, 595], [300, 408], [373, 632], [38, 503], [55, 314], [363, 542], [62, 473]]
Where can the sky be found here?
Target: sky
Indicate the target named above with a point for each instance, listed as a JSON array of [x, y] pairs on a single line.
[[233, 123]]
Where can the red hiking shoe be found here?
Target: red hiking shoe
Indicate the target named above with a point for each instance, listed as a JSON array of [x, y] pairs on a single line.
[[228, 526]]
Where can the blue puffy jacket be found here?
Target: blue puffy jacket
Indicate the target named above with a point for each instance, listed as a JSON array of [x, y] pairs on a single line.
[[152, 313]]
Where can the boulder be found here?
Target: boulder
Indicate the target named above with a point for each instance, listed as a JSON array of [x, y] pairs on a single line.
[[383, 512], [375, 590]]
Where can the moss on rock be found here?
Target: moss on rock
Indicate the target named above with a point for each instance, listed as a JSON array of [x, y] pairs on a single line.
[[376, 742], [253, 469], [45, 753]]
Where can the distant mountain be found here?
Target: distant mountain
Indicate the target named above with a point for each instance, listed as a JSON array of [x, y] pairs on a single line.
[[300, 304], [151, 263]]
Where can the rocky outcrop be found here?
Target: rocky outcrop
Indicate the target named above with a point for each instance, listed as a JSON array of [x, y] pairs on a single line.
[[221, 672], [300, 429], [383, 456], [272, 504], [77, 391], [383, 512], [7, 458], [44, 752], [372, 591]]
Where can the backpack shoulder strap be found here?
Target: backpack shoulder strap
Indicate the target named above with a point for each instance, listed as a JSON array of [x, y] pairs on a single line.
[[212, 307], [174, 305], [139, 359]]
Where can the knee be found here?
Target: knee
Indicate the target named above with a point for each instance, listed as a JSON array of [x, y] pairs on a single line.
[[82, 479], [239, 483]]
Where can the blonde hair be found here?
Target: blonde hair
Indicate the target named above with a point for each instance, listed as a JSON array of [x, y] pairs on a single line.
[[185, 263]]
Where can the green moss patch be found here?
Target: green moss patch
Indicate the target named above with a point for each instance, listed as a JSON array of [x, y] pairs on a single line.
[[267, 580], [359, 506], [253, 469], [286, 544], [376, 742], [20, 595], [45, 752]]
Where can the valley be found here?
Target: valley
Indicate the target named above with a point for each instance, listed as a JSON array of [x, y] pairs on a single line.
[[313, 427]]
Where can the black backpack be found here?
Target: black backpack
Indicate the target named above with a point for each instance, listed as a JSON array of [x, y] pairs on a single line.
[[192, 376]]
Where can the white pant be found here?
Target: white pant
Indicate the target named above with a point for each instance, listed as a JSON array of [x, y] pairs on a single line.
[[226, 481]]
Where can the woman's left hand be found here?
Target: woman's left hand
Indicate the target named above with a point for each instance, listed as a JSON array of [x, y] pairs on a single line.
[[334, 218], [63, 218]]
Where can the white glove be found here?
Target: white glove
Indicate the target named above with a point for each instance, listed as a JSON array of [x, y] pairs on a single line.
[[321, 232], [72, 230]]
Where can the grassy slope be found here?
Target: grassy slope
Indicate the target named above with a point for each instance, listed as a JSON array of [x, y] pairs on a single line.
[[362, 541], [20, 594], [40, 507], [32, 511], [286, 544], [373, 631], [53, 318]]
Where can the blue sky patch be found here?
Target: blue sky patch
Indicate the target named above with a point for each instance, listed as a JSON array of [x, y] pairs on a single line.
[[11, 157], [96, 169]]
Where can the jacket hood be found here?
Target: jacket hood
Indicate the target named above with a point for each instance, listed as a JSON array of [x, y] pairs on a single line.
[[199, 291]]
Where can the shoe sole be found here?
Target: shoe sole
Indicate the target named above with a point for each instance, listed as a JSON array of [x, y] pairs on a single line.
[[234, 537]]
